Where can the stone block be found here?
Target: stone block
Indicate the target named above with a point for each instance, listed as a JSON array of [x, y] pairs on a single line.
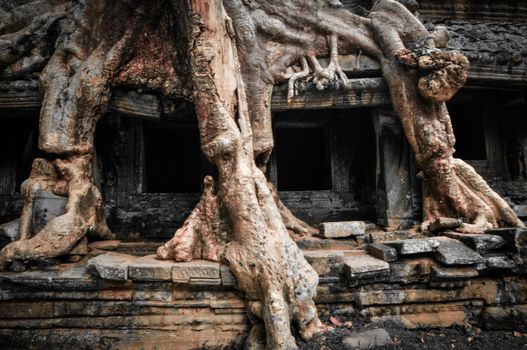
[[363, 266], [382, 251], [205, 281], [148, 268], [111, 266], [411, 270], [443, 273], [452, 252], [227, 277], [196, 269], [380, 297], [482, 243], [47, 207], [500, 262], [342, 229], [443, 224], [369, 339], [414, 246]]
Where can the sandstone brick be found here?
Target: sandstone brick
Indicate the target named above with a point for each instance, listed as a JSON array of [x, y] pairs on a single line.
[[111, 266], [195, 270], [342, 229], [363, 266], [148, 268], [481, 243], [382, 251], [413, 246]]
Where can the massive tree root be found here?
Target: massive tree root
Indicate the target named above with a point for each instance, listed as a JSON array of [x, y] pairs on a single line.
[[278, 283], [77, 88], [84, 214], [420, 80]]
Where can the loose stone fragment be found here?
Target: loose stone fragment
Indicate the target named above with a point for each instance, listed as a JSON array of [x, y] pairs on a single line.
[[148, 268], [413, 246], [382, 251], [369, 339], [342, 229], [452, 252], [363, 266], [111, 266], [443, 224], [482, 243], [440, 273], [196, 269]]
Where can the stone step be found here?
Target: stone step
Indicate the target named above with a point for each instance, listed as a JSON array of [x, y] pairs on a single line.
[[342, 229], [364, 266], [482, 243]]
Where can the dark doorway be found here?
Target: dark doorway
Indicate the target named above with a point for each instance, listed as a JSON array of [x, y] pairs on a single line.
[[173, 158], [303, 161], [468, 124], [18, 148]]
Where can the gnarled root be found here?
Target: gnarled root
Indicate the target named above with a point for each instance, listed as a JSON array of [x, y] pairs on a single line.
[[84, 214], [453, 188], [323, 78], [202, 233], [291, 222]]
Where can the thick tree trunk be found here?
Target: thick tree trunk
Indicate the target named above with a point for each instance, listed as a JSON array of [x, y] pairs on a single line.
[[278, 282]]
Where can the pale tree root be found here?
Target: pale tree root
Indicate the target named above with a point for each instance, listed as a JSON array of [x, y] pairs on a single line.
[[279, 284], [84, 214], [203, 234], [291, 222], [453, 188], [200, 237]]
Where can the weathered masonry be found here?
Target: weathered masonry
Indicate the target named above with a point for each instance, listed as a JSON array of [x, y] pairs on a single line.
[[359, 165]]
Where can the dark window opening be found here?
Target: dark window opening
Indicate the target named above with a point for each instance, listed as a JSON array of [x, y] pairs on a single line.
[[468, 125], [302, 157], [173, 158], [19, 146]]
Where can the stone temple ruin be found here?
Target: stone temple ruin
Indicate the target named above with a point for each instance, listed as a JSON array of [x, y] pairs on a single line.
[[138, 139]]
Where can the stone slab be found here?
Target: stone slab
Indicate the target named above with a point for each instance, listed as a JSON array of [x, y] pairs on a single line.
[[414, 246], [500, 262], [148, 268], [443, 224], [195, 270], [452, 252], [369, 339], [47, 207], [342, 229], [382, 251], [363, 266], [111, 266], [482, 243], [443, 273]]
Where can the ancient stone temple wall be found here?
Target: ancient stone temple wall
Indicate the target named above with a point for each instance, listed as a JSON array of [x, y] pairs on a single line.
[[124, 299]]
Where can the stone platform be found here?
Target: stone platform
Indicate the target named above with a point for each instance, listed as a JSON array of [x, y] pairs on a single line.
[[120, 297]]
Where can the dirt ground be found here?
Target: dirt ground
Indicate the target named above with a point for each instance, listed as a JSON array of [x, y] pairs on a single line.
[[462, 338]]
